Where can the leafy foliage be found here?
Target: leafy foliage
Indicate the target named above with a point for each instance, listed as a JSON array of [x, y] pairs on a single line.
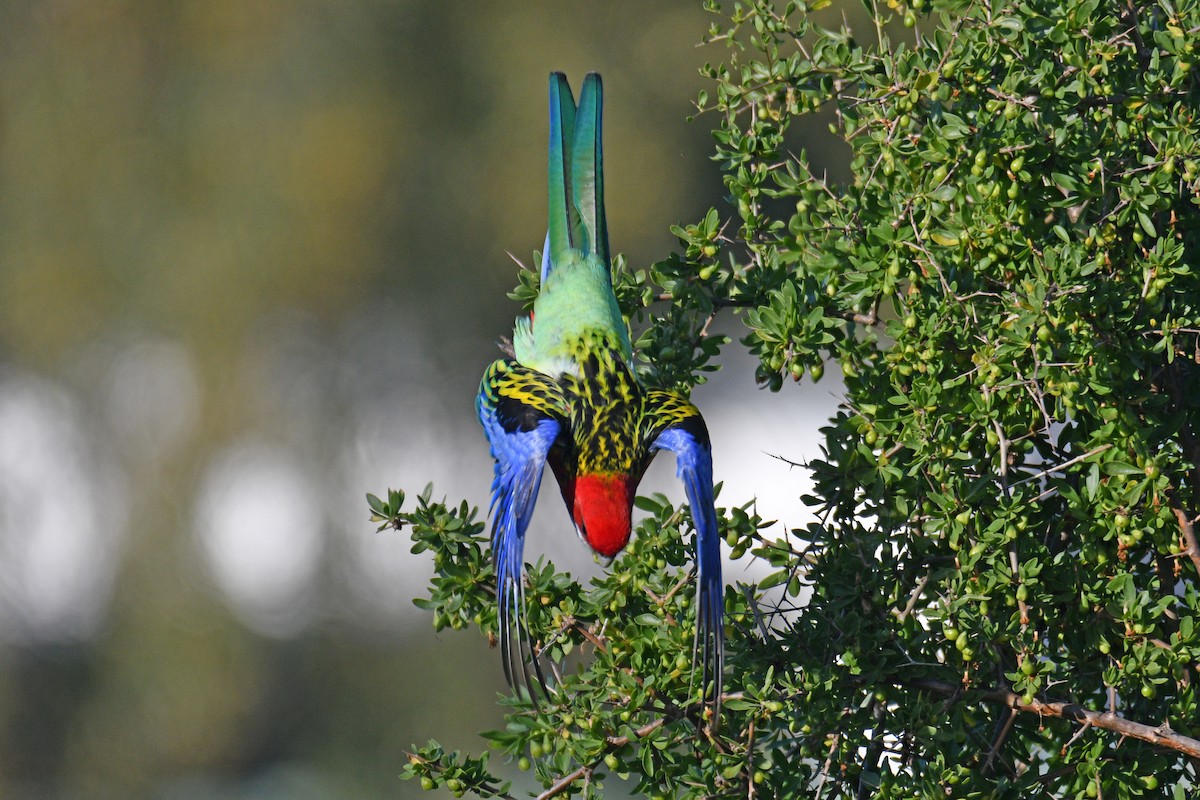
[[1000, 598]]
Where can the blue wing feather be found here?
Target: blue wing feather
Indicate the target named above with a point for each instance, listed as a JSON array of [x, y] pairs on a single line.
[[520, 412], [693, 464]]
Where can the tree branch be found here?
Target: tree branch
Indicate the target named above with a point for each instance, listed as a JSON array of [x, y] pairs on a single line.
[[902, 614], [1060, 467], [613, 743], [1189, 533], [641, 733], [1002, 731], [1161, 736], [564, 782]]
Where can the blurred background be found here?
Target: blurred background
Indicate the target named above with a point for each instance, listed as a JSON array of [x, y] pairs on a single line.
[[252, 264]]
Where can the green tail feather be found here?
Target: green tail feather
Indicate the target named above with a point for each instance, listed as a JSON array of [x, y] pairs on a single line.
[[576, 310], [587, 167], [576, 171], [563, 229]]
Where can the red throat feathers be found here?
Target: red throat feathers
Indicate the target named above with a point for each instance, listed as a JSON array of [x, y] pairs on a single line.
[[602, 507]]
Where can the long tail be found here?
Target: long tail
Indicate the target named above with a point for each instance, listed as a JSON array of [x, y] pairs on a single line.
[[575, 173]]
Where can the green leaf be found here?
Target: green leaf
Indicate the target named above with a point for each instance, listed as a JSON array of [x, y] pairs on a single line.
[[1093, 481], [1146, 223]]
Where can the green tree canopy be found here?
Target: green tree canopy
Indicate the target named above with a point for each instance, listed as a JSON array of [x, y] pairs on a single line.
[[1000, 596]]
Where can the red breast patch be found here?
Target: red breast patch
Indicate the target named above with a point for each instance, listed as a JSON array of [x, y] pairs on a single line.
[[602, 510]]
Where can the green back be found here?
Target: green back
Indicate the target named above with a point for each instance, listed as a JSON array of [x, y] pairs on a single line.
[[576, 310]]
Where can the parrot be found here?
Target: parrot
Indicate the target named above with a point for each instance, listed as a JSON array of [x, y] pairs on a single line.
[[569, 397]]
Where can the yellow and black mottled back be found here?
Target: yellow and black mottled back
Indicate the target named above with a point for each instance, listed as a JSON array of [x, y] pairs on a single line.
[[605, 405], [522, 397], [666, 409]]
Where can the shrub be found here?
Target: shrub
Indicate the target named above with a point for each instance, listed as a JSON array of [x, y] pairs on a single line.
[[1000, 598]]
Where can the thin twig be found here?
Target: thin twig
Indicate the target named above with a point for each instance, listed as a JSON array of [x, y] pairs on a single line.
[[1003, 456], [750, 762], [417, 760], [758, 618], [1161, 735], [1060, 467], [1082, 730], [912, 599], [1015, 564], [640, 733], [998, 741], [1189, 533], [563, 783], [833, 743]]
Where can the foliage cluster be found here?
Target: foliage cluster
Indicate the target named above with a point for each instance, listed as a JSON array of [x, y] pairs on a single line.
[[1000, 597]]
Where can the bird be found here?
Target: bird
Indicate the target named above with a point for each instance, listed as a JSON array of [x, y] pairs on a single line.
[[569, 397]]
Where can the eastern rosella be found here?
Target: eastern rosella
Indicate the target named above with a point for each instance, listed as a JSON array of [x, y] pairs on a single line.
[[570, 397]]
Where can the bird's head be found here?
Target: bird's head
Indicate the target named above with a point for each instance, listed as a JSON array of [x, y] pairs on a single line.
[[602, 508]]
